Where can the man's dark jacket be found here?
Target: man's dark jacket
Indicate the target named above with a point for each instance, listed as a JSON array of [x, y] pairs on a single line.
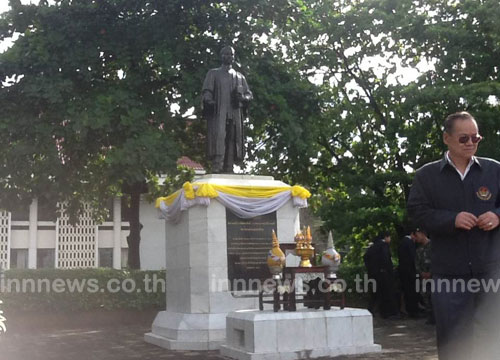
[[438, 195], [407, 254], [378, 258]]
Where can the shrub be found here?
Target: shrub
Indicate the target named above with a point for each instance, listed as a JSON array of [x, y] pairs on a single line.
[[82, 289], [348, 272]]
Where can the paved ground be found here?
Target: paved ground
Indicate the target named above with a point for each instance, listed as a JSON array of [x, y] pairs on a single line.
[[117, 335]]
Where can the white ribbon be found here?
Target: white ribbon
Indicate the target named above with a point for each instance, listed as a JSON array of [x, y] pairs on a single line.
[[241, 206]]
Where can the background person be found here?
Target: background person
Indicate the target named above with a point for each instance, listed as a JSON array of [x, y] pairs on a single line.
[[378, 262], [423, 267], [408, 273]]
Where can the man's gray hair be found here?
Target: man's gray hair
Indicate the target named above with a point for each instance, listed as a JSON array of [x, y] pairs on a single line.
[[449, 123]]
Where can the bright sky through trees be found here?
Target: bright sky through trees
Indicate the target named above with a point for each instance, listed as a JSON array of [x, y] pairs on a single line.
[[4, 6]]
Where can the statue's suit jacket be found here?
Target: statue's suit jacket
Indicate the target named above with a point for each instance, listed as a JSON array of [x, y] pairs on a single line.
[[219, 86]]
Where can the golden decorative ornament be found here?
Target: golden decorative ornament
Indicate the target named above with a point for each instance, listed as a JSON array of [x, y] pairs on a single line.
[[275, 257], [304, 248]]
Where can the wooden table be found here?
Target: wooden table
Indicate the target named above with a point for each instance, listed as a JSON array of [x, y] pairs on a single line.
[[289, 299]]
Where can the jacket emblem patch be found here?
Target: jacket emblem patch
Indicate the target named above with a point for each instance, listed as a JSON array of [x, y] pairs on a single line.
[[483, 193]]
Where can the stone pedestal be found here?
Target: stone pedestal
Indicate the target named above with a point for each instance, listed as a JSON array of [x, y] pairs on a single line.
[[198, 296], [304, 334]]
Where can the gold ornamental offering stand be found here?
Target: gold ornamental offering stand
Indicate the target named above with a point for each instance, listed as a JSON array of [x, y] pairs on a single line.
[[304, 247], [324, 294]]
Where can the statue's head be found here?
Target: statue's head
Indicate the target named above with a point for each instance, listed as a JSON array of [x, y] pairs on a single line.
[[227, 55]]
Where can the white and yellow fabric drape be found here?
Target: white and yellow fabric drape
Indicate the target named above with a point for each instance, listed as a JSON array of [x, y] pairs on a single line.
[[244, 201]]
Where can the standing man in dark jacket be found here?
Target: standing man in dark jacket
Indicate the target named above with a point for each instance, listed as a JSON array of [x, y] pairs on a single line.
[[378, 262], [407, 271], [423, 267], [457, 201]]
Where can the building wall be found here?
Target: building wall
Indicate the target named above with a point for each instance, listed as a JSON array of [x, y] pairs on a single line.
[[32, 243], [152, 238]]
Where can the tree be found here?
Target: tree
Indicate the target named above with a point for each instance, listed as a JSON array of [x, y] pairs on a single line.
[[86, 113], [374, 127], [90, 88]]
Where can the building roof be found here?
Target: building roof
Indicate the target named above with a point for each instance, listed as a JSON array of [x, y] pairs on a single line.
[[185, 161]]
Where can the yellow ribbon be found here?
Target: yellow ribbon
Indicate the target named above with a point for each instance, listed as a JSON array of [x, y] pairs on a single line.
[[301, 192], [168, 200], [249, 191], [212, 191], [188, 190], [207, 190]]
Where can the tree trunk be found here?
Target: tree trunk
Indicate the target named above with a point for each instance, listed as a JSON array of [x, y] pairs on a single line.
[[134, 238]]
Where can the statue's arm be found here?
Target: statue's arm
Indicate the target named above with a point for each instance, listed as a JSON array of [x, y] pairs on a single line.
[[207, 92], [247, 95]]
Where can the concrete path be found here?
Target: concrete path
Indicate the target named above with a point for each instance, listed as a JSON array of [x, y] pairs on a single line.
[[118, 335]]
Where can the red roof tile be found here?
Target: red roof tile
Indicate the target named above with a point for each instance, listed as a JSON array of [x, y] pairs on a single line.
[[184, 160]]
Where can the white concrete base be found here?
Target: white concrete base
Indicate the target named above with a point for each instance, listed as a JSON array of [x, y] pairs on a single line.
[[177, 331], [171, 344], [196, 261], [303, 334]]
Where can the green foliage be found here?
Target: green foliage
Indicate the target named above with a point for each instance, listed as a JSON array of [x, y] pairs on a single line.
[[84, 105], [350, 273], [87, 101], [171, 182], [370, 128], [88, 94], [43, 290]]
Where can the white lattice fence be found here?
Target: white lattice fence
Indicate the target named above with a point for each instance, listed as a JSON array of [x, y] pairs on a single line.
[[4, 239], [77, 245]]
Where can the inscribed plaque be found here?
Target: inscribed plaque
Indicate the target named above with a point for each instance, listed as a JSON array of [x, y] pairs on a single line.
[[248, 242]]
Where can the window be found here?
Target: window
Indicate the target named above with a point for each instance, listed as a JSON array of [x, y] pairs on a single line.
[[106, 257], [18, 258], [46, 258]]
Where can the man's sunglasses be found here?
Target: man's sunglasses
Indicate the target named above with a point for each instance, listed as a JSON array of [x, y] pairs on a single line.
[[464, 139]]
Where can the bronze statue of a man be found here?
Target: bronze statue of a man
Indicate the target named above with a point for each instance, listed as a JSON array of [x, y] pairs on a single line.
[[225, 96]]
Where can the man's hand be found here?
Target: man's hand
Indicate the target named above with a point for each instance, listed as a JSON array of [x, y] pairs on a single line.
[[466, 220], [488, 221]]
